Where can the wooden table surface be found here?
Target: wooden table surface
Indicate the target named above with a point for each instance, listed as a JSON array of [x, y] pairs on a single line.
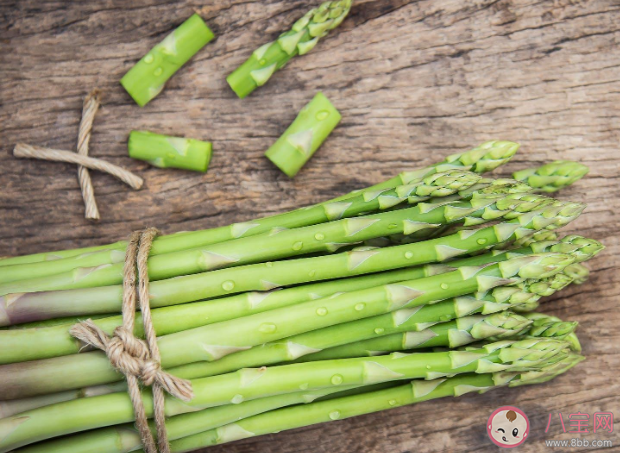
[[414, 80]]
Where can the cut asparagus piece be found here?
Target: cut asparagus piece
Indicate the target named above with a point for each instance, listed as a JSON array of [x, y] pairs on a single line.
[[218, 340], [435, 185], [302, 38], [553, 176], [532, 213], [250, 384], [147, 78], [351, 406], [483, 158], [304, 136], [170, 152]]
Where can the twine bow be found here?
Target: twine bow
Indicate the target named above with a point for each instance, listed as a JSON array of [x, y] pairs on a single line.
[[138, 359]]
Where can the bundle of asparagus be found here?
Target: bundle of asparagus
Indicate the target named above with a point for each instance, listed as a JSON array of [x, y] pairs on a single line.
[[417, 288]]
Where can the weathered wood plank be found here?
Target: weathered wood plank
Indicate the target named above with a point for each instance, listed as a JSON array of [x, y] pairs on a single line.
[[414, 82]]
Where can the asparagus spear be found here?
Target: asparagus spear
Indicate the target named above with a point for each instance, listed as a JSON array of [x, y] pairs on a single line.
[[552, 182], [351, 406], [215, 341], [285, 243], [512, 297], [169, 152], [483, 158], [125, 438], [43, 305], [322, 237], [476, 326], [416, 322], [311, 344], [553, 176], [452, 334], [299, 40], [40, 343], [146, 79], [202, 424], [249, 384], [435, 185]]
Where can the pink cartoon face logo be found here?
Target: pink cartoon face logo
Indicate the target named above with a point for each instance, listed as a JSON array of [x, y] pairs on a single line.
[[508, 427]]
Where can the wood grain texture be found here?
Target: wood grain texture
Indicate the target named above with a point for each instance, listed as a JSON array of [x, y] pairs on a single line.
[[414, 80]]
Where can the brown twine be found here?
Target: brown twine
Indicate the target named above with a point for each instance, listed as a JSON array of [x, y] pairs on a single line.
[[138, 359], [37, 152], [91, 104]]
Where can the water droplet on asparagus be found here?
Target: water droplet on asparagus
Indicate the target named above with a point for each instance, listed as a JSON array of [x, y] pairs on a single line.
[[481, 241], [360, 307], [298, 245], [228, 285], [269, 264], [322, 115], [267, 328], [321, 311], [304, 386], [237, 399], [444, 286], [408, 255], [148, 59], [158, 71], [392, 226], [319, 236], [392, 402], [337, 379], [262, 62], [379, 330], [334, 415], [428, 367], [312, 273]]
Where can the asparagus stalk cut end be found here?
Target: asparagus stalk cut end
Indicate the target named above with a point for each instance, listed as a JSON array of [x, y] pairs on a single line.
[[304, 136], [170, 152]]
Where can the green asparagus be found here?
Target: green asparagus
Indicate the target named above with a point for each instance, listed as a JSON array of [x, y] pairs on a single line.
[[125, 438], [553, 176], [351, 406], [28, 307], [483, 158], [146, 79], [215, 341], [284, 243], [299, 40], [304, 136], [436, 185], [249, 384], [261, 355], [169, 152], [39, 343], [193, 428]]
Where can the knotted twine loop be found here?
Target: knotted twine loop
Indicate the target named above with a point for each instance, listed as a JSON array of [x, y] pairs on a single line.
[[138, 359]]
